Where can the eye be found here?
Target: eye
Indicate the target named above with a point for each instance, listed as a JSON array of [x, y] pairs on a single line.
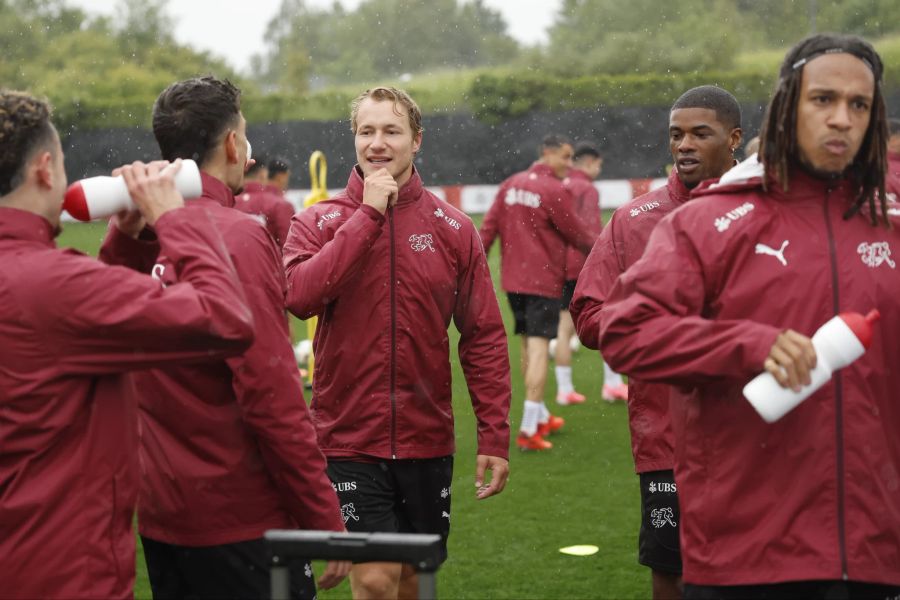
[[860, 105], [821, 99]]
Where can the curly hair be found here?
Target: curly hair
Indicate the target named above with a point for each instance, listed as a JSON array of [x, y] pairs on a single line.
[[24, 129], [778, 138]]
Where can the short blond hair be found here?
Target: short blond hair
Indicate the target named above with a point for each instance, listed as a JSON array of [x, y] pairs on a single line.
[[395, 95]]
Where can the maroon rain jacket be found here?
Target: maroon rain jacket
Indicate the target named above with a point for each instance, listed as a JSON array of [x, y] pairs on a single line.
[[535, 218], [815, 495], [586, 199], [227, 448], [70, 328], [620, 245], [385, 288], [268, 205]]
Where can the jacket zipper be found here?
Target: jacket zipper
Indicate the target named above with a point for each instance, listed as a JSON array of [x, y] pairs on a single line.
[[838, 395], [393, 367]]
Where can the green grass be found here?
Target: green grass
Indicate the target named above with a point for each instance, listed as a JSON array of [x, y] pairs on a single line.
[[583, 492]]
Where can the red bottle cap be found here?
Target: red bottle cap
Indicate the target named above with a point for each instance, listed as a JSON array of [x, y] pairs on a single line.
[[861, 326], [75, 202]]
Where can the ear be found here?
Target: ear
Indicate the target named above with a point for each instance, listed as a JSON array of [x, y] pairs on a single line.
[[43, 169], [737, 135], [417, 142], [230, 141]]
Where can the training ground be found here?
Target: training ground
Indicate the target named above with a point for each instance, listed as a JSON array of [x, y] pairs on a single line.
[[584, 491]]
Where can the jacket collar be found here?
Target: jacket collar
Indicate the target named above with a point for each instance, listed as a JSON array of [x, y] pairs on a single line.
[[542, 170], [575, 173], [410, 192], [20, 224], [677, 191], [214, 190]]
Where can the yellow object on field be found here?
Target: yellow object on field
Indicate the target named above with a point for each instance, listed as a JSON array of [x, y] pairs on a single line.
[[318, 169], [580, 550]]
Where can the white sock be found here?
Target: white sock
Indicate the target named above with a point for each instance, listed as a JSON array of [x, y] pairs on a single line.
[[564, 380], [610, 377], [545, 414], [530, 418]]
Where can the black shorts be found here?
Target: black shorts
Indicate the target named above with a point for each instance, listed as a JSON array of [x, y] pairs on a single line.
[[536, 316], [658, 540], [568, 292], [822, 590], [395, 496], [238, 570]]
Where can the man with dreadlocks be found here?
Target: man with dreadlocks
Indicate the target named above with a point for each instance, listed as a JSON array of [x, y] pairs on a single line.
[[731, 284]]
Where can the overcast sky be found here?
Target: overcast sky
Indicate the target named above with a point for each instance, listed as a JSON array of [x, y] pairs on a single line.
[[236, 30]]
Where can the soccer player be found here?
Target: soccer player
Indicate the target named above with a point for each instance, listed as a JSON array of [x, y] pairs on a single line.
[[265, 202], [386, 265], [228, 449], [70, 328], [586, 166], [279, 176], [535, 218], [732, 284], [704, 131]]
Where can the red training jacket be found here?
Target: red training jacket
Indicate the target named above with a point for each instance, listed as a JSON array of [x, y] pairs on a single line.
[[586, 199], [227, 448], [70, 327], [621, 244], [269, 207], [815, 495], [535, 218], [385, 288]]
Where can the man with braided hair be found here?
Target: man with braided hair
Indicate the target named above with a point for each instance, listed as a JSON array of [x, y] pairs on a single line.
[[732, 284]]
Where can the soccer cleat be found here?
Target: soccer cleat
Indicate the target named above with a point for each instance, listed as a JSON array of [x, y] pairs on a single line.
[[533, 442], [552, 425], [572, 397], [611, 393]]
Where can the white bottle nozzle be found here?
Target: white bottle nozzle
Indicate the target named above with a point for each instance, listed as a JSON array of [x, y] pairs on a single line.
[[101, 197]]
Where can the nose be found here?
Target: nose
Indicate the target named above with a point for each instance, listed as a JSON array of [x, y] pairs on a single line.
[[378, 139], [686, 144], [839, 117]]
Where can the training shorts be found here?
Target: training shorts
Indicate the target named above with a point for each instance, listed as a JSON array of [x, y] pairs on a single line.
[[658, 539], [535, 316], [568, 292], [395, 496]]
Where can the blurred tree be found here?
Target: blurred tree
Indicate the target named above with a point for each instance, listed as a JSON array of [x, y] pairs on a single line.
[[591, 36], [382, 38]]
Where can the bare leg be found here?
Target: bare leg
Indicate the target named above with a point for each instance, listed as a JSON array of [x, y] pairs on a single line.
[[536, 372], [564, 334], [666, 586], [375, 580], [409, 583]]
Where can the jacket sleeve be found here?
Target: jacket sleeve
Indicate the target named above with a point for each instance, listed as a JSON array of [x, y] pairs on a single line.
[[490, 226], [603, 266], [591, 214], [266, 383], [139, 254], [564, 217], [483, 350], [655, 324], [317, 270], [282, 213], [108, 319]]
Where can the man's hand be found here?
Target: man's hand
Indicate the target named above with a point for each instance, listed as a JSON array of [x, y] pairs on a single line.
[[380, 190], [129, 222], [791, 359], [334, 573], [499, 468], [152, 187]]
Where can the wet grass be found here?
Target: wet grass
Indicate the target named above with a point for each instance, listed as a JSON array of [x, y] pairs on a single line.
[[582, 492]]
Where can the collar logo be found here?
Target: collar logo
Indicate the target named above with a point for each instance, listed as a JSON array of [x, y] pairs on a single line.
[[876, 254], [779, 254], [421, 242], [725, 221]]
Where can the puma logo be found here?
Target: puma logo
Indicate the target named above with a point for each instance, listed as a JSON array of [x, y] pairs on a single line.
[[779, 254]]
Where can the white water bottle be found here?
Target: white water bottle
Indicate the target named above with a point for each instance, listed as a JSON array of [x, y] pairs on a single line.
[[838, 343], [101, 197]]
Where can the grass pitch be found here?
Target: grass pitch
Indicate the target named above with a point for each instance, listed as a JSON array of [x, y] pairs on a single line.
[[584, 491]]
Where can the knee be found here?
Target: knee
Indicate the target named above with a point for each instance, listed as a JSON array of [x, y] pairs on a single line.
[[368, 581]]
